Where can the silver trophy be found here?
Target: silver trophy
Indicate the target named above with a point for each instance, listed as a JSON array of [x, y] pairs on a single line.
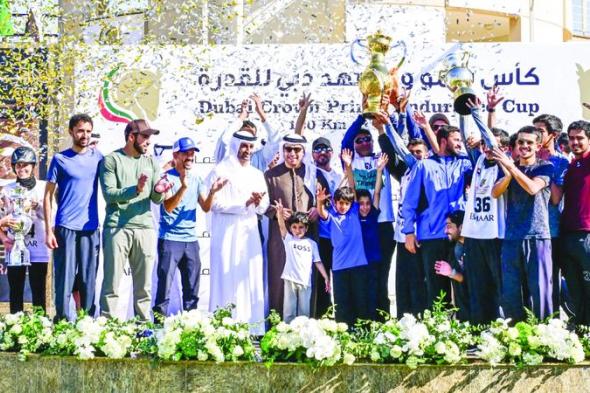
[[19, 254], [459, 78]]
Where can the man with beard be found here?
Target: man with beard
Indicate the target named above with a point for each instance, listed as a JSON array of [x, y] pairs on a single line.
[[330, 179], [177, 241], [550, 127], [293, 183], [436, 187], [128, 177], [575, 221], [526, 249], [74, 237], [236, 250]]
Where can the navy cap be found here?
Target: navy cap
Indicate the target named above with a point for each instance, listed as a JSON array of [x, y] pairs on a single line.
[[183, 145]]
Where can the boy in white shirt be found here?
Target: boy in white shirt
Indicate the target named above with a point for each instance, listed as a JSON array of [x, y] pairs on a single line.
[[301, 253]]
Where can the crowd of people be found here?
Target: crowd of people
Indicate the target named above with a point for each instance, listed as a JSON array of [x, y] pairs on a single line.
[[490, 221]]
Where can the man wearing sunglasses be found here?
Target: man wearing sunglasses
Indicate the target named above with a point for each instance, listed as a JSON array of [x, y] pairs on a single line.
[[526, 249], [330, 179], [293, 183]]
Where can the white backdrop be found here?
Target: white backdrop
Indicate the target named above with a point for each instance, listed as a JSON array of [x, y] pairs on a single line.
[[198, 90]]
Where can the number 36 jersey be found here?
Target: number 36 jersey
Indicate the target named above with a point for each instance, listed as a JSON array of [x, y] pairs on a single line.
[[485, 216]]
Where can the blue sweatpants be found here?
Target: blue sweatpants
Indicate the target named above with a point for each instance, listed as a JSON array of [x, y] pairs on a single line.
[[75, 258], [527, 278]]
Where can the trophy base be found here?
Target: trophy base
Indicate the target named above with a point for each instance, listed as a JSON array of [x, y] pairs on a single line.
[[464, 94], [369, 115]]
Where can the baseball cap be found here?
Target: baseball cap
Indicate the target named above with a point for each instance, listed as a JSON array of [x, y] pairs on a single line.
[[140, 126], [437, 117], [183, 145], [321, 141]]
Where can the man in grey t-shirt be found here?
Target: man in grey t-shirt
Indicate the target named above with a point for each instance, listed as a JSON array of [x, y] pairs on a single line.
[[526, 250]]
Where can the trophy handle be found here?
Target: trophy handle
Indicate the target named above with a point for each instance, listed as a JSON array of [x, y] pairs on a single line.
[[404, 47], [355, 43], [465, 59]]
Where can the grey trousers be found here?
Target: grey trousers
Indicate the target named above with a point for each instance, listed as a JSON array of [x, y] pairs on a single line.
[[138, 246]]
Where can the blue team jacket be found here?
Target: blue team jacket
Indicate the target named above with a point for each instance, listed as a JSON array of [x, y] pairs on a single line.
[[436, 187]]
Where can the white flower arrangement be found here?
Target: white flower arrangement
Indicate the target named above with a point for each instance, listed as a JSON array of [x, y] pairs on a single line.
[[322, 342], [197, 335], [434, 338], [25, 333], [88, 337], [529, 343]]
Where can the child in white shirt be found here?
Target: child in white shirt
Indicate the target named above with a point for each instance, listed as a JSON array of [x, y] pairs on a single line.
[[301, 253]]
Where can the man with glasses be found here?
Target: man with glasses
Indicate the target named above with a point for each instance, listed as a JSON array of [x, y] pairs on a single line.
[[330, 179], [293, 183], [526, 249]]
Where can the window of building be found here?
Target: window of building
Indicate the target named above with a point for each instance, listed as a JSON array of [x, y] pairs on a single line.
[[472, 25], [581, 17]]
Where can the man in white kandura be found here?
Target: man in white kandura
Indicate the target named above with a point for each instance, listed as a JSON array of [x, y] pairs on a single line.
[[236, 248]]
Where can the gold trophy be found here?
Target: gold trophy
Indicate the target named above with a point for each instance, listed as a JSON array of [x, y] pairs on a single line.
[[458, 78], [377, 81]]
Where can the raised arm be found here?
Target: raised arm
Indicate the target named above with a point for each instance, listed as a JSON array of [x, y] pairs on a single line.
[[225, 137], [207, 202], [469, 141], [321, 197], [381, 163], [281, 221], [351, 132], [346, 157], [486, 134], [420, 119], [304, 103], [494, 97]]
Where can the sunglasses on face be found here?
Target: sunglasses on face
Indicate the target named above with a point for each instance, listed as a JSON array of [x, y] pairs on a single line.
[[320, 150], [290, 149], [363, 139], [437, 127]]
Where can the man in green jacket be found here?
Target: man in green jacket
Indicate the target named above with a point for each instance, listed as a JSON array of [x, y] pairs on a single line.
[[128, 178]]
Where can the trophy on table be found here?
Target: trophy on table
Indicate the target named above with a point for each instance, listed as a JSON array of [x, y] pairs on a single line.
[[377, 81], [458, 78], [19, 254]]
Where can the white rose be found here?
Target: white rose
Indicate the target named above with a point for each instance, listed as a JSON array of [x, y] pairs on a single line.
[[512, 333], [440, 347], [238, 351], [348, 359]]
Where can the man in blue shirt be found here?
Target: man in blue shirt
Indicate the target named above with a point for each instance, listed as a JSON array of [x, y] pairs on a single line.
[[436, 187], [75, 236], [177, 240]]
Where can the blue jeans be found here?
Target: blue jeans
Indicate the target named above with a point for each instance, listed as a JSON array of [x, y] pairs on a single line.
[[527, 278], [184, 256]]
